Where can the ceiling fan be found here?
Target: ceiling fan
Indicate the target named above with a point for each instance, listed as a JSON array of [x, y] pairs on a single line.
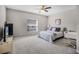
[[45, 8]]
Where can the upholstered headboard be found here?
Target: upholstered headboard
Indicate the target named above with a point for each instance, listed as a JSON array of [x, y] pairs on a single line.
[[58, 29]]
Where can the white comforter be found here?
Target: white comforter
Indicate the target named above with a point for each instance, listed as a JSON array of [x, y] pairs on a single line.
[[50, 35], [47, 35]]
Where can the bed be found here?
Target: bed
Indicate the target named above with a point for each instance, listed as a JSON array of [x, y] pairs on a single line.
[[51, 35]]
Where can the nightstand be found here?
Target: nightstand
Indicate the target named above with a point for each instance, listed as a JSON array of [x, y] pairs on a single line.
[[71, 35]]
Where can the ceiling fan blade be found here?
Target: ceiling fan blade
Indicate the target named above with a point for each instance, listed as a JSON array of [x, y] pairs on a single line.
[[48, 7]]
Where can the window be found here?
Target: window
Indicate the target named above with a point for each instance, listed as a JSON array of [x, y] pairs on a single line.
[[32, 25]]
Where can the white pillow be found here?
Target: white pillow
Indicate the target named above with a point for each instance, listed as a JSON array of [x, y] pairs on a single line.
[[53, 29]]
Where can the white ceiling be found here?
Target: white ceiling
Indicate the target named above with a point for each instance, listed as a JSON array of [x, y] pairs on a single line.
[[36, 8]]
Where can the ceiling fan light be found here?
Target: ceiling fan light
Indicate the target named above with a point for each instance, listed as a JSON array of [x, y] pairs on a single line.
[[42, 11]]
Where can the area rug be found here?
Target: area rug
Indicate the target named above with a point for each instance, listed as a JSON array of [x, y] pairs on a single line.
[[66, 42]]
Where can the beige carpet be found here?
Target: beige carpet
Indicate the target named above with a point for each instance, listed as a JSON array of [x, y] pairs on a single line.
[[35, 45]]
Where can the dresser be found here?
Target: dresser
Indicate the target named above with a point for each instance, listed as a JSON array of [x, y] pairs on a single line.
[[71, 35]]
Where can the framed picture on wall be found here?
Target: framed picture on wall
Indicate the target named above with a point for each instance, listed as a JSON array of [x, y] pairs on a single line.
[[58, 21]]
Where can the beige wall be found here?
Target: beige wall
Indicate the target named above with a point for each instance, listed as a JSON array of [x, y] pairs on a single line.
[[77, 22], [19, 20], [2, 15], [68, 19]]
